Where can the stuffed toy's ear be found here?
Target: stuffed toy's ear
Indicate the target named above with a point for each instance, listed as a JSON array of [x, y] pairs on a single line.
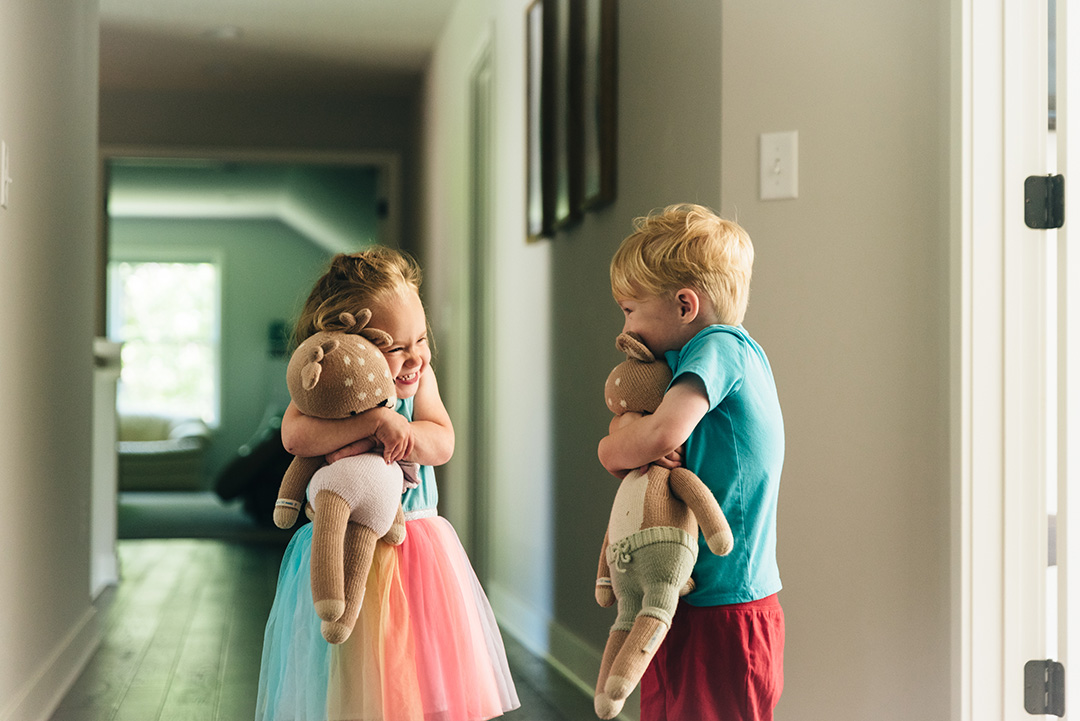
[[631, 345], [311, 371], [379, 338]]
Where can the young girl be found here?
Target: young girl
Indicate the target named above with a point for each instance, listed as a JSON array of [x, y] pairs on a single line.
[[426, 646]]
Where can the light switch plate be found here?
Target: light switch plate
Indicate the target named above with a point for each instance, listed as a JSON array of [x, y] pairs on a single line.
[[779, 165]]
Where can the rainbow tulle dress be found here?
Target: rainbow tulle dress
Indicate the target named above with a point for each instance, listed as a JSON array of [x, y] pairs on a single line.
[[426, 646]]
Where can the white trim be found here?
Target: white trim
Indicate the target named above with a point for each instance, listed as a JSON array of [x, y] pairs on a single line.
[[977, 319], [997, 339], [40, 696]]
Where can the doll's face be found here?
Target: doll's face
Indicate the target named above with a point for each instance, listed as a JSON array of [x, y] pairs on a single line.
[[409, 355]]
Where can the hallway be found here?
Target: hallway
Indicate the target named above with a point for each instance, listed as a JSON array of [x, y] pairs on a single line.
[[183, 636]]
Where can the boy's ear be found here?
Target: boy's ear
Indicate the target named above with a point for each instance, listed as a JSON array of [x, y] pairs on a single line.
[[689, 303]]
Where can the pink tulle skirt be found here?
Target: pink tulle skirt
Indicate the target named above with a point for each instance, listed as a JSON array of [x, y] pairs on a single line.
[[426, 646]]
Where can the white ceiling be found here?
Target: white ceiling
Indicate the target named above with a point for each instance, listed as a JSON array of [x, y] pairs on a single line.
[[342, 46]]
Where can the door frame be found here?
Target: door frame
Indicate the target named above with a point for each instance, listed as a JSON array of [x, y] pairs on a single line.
[[999, 522], [481, 310]]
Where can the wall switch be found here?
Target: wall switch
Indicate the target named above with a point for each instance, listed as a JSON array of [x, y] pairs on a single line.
[[5, 176], [780, 165]]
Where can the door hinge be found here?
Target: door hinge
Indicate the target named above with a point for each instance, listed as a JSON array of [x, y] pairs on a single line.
[[1044, 201], [1044, 688]]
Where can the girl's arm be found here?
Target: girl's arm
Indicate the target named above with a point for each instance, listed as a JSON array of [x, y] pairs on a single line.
[[309, 436], [428, 440], [432, 431], [653, 437]]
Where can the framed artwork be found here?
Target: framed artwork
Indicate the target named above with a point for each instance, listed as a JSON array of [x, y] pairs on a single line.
[[564, 33], [570, 111], [599, 56], [538, 215]]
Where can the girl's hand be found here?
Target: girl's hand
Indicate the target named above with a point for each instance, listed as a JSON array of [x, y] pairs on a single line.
[[356, 448], [395, 436]]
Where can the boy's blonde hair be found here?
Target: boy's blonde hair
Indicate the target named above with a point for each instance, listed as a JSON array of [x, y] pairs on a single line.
[[686, 246], [354, 281]]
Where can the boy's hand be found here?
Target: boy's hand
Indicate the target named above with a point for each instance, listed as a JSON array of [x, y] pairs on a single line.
[[356, 448], [671, 460], [394, 434]]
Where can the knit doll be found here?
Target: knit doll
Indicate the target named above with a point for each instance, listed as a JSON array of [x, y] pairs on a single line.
[[651, 542], [337, 373]]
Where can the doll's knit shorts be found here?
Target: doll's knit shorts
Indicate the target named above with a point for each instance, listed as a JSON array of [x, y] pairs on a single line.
[[648, 569]]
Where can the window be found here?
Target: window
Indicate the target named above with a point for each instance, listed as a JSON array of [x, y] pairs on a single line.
[[167, 317]]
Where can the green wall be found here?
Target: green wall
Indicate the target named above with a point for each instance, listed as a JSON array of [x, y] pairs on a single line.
[[267, 269]]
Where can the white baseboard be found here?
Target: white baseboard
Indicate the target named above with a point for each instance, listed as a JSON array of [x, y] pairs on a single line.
[[564, 650], [43, 692]]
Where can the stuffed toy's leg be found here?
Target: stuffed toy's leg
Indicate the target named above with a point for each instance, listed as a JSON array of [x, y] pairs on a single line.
[[634, 657], [396, 535], [327, 555], [607, 707], [359, 549]]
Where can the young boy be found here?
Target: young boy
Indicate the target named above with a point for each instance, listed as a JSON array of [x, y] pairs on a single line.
[[682, 280]]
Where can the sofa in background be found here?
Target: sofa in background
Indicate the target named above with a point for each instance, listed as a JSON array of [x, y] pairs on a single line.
[[161, 453]]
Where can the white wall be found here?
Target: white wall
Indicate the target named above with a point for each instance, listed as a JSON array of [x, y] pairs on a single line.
[[850, 300], [48, 118]]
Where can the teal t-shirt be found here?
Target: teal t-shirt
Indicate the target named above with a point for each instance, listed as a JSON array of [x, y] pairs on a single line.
[[738, 451]]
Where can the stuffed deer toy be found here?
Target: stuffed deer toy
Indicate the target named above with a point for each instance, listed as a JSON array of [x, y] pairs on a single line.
[[651, 543], [337, 373]]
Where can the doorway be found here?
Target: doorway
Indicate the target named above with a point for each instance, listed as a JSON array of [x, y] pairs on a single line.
[[261, 225], [481, 311]]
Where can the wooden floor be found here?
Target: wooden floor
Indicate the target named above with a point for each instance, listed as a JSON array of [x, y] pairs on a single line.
[[183, 638]]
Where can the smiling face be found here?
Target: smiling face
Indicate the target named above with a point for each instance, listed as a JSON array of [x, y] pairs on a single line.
[[409, 356]]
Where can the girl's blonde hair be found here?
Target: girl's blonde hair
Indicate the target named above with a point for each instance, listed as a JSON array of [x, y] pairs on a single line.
[[355, 281], [686, 246]]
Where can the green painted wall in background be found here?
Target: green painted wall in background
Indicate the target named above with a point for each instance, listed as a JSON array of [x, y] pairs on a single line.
[[267, 269]]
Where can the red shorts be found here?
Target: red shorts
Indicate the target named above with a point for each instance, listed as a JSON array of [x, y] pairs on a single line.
[[718, 663]]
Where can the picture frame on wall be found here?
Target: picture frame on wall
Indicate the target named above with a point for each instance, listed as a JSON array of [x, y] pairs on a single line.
[[538, 214], [599, 102], [564, 27], [571, 57]]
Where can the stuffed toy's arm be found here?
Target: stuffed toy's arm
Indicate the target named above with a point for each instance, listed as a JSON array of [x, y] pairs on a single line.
[[710, 517], [291, 492], [605, 596]]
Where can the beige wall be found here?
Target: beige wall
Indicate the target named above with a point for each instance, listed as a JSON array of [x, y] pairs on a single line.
[[850, 300], [48, 118]]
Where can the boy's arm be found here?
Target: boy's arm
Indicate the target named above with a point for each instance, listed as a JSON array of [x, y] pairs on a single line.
[[652, 437]]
